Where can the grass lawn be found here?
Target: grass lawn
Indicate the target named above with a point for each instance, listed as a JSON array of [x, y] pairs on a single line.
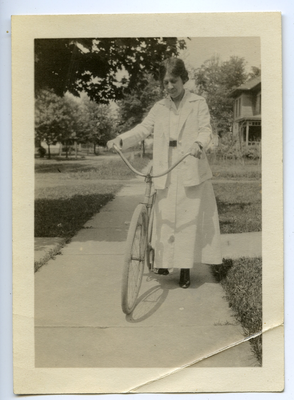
[[242, 281], [239, 206], [69, 193], [63, 217], [234, 169], [99, 167]]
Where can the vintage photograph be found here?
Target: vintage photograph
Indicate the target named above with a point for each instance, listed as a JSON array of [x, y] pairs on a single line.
[[146, 215], [113, 252]]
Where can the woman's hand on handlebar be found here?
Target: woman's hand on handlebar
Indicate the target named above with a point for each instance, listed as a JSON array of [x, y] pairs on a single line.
[[196, 150], [117, 142]]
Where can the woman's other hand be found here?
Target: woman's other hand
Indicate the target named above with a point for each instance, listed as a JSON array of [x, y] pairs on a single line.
[[117, 142], [196, 150]]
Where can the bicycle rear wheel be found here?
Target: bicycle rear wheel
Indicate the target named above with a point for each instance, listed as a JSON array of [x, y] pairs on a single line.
[[134, 259]]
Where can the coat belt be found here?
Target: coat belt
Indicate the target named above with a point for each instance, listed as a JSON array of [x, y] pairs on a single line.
[[173, 143]]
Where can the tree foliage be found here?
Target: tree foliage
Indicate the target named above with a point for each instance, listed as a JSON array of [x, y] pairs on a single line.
[[136, 104], [62, 119], [53, 118], [96, 123], [215, 80], [255, 72], [104, 68]]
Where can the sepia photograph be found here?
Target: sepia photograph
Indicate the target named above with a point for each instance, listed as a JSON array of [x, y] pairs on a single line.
[[104, 235], [146, 206]]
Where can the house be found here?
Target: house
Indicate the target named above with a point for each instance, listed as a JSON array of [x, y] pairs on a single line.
[[247, 112], [55, 148]]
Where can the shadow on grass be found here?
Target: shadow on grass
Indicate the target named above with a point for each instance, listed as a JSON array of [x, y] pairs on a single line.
[[65, 216]]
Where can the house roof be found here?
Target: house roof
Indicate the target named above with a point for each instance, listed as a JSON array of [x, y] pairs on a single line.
[[247, 86]]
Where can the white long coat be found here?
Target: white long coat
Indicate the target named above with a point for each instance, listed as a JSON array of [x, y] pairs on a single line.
[[194, 125], [186, 229]]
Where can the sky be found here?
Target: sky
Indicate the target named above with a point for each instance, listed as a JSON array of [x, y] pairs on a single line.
[[201, 49]]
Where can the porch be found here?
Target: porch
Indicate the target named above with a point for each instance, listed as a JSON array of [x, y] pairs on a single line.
[[249, 132]]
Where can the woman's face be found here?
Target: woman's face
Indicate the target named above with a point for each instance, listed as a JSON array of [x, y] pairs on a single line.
[[173, 85]]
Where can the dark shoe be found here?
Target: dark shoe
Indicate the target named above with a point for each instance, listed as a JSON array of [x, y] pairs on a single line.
[[162, 271], [184, 278]]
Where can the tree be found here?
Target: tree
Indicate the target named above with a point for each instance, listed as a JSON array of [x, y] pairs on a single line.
[[215, 80], [96, 123], [49, 118], [63, 119], [136, 104], [105, 68], [255, 72], [56, 119], [70, 126]]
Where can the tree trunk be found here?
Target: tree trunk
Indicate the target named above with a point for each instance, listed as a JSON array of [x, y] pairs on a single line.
[[143, 148], [49, 154], [76, 149]]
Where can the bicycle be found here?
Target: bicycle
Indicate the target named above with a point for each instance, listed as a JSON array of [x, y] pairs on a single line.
[[139, 251]]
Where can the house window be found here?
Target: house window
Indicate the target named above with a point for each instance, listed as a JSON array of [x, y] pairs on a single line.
[[258, 104], [238, 107]]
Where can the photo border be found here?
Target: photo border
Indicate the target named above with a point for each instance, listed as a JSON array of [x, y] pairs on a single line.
[[28, 379]]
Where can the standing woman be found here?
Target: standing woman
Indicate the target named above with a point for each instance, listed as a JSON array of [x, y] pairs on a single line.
[[186, 225]]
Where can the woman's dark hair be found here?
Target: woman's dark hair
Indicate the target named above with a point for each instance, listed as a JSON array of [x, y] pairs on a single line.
[[174, 66]]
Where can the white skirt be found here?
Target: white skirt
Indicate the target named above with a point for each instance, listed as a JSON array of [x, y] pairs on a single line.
[[186, 225]]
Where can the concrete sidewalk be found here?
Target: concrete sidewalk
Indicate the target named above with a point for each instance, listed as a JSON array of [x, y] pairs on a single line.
[[78, 317]]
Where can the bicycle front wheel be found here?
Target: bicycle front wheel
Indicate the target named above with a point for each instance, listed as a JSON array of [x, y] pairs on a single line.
[[134, 259]]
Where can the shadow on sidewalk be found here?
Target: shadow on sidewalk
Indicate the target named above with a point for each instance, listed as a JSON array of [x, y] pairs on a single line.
[[148, 303], [153, 298]]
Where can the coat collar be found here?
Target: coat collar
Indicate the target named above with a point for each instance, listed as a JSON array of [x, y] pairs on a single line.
[[189, 97]]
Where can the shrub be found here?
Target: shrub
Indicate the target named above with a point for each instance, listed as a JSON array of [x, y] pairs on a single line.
[[251, 152], [41, 152], [242, 281], [229, 148], [220, 271]]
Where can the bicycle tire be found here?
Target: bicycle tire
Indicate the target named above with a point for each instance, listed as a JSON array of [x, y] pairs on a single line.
[[134, 259]]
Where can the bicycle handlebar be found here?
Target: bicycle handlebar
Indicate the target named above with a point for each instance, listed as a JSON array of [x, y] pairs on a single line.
[[145, 175]]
